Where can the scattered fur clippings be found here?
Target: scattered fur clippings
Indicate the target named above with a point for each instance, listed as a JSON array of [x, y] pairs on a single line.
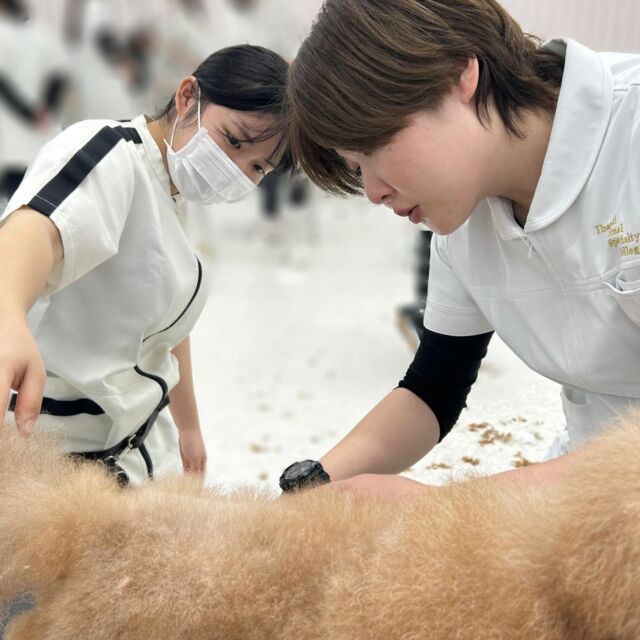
[[438, 465], [263, 477], [258, 448], [521, 461], [264, 407], [478, 426], [491, 436], [472, 461]]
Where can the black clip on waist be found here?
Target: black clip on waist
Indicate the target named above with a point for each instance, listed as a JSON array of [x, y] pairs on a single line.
[[109, 457]]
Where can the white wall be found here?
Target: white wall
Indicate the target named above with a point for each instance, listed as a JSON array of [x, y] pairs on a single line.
[[603, 25]]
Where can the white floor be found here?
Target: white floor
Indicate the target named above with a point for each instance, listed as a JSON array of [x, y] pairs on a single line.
[[299, 341]]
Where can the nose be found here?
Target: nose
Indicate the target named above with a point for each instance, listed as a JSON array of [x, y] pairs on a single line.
[[376, 190]]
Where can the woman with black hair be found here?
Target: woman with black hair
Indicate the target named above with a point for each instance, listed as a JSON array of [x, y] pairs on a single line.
[[99, 284]]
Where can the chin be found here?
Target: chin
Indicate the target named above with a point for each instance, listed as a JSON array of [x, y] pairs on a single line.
[[442, 228], [448, 224]]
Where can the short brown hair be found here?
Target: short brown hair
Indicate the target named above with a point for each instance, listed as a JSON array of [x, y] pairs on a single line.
[[369, 65]]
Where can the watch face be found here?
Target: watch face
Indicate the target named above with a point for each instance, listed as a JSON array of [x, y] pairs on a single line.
[[303, 474], [299, 469]]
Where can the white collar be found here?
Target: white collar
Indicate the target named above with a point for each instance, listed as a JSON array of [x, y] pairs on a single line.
[[580, 123]]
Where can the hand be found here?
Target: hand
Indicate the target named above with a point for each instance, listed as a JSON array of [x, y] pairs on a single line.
[[42, 119], [387, 487], [22, 369], [193, 451]]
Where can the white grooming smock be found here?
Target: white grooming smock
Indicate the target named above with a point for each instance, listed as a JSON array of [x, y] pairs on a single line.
[[129, 288], [564, 292]]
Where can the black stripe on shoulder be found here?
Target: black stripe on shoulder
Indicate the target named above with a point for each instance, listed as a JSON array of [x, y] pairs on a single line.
[[61, 186], [64, 408], [130, 134]]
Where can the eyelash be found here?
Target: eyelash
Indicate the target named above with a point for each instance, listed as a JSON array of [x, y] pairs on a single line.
[[236, 144], [358, 172]]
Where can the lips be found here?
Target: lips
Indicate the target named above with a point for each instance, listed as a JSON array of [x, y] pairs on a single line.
[[414, 214]]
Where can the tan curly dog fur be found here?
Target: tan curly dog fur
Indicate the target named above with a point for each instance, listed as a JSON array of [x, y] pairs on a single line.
[[174, 560]]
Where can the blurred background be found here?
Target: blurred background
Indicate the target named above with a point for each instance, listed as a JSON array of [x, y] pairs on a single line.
[[315, 302]]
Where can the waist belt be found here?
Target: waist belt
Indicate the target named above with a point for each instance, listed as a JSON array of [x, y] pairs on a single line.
[[109, 457]]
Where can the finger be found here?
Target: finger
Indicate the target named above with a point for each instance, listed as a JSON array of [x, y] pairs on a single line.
[[29, 400], [5, 391]]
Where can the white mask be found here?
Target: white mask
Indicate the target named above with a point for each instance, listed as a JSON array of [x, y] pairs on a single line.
[[202, 172]]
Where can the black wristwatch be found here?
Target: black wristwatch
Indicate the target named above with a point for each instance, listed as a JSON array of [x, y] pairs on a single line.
[[305, 474]]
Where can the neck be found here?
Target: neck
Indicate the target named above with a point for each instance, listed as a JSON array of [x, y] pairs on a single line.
[[160, 131], [518, 162]]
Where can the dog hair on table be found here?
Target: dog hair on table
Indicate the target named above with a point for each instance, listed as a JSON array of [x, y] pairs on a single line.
[[174, 560]]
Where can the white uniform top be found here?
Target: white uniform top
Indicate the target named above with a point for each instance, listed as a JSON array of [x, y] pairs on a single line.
[[564, 292], [128, 290]]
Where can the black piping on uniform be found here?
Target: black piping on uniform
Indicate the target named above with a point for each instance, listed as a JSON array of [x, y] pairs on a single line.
[[109, 457], [62, 185], [193, 297], [64, 408]]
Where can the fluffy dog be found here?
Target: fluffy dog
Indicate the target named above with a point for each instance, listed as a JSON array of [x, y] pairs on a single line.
[[175, 560]]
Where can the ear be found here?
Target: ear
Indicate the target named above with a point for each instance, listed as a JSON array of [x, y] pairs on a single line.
[[185, 95], [468, 82]]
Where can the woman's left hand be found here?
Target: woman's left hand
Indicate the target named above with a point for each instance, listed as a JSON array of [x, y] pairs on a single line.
[[388, 487], [193, 451]]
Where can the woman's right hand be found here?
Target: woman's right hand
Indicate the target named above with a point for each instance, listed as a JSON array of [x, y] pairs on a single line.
[[21, 369], [30, 247]]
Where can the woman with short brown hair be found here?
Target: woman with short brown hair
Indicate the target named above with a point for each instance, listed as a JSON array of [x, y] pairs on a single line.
[[524, 160]]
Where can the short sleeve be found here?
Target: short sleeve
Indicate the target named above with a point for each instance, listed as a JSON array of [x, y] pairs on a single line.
[[450, 309], [83, 180]]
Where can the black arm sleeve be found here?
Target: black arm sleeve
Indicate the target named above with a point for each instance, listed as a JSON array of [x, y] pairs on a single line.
[[15, 101], [443, 371]]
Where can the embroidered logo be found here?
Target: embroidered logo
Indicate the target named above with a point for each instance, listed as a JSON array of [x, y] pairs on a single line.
[[627, 243]]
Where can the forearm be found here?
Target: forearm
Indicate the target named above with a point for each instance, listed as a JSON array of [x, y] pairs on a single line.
[[534, 475], [400, 430], [30, 247], [183, 406]]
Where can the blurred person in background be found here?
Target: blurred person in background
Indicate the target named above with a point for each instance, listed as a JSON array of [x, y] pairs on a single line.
[[410, 316], [104, 74], [185, 36], [34, 83], [524, 160], [286, 201], [101, 286]]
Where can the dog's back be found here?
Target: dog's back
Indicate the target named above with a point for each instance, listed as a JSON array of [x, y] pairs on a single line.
[[174, 560]]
